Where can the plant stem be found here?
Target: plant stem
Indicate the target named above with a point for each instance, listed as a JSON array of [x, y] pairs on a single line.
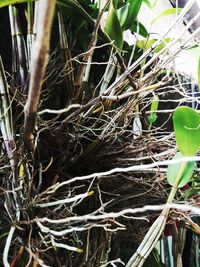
[[155, 231], [7, 247], [39, 61], [177, 181], [30, 34]]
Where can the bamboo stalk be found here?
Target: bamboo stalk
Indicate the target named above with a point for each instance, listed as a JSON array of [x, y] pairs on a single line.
[[19, 52], [30, 33], [109, 71], [39, 59], [6, 117], [7, 133], [66, 60]]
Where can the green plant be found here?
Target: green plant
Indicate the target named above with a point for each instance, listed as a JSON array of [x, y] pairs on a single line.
[[75, 158], [186, 127]]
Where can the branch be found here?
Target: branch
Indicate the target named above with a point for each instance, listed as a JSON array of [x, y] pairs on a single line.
[[114, 215], [7, 246], [134, 168], [38, 65]]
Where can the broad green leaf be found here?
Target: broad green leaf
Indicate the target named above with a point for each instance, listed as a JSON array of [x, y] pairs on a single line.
[[187, 130], [115, 4], [142, 30], [122, 13], [146, 44], [134, 8], [174, 169], [113, 28], [4, 3], [166, 12], [199, 72]]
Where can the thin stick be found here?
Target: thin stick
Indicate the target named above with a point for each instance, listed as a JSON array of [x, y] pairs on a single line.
[[129, 211], [7, 247]]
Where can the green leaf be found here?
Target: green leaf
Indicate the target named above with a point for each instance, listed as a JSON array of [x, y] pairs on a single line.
[[166, 12], [142, 30], [134, 8], [152, 118], [113, 28], [147, 3], [155, 2], [115, 4], [199, 72], [187, 130], [174, 169], [4, 3], [146, 44], [154, 104], [154, 107], [122, 14]]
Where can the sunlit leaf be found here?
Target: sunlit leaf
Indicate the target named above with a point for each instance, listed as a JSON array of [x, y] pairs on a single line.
[[174, 169], [134, 8], [113, 28], [166, 12], [154, 104], [187, 130], [146, 44], [122, 14], [4, 3]]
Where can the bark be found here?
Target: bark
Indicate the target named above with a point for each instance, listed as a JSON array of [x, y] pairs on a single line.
[[39, 61]]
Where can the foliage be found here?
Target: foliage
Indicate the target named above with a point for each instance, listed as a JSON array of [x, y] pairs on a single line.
[[166, 12], [187, 132], [79, 148], [174, 169], [154, 107], [113, 27], [11, 2]]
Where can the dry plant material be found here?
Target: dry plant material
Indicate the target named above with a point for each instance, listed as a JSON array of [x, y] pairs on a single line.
[[80, 192]]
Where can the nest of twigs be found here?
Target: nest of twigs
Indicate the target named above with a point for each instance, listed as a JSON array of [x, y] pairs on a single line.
[[79, 166], [97, 151]]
